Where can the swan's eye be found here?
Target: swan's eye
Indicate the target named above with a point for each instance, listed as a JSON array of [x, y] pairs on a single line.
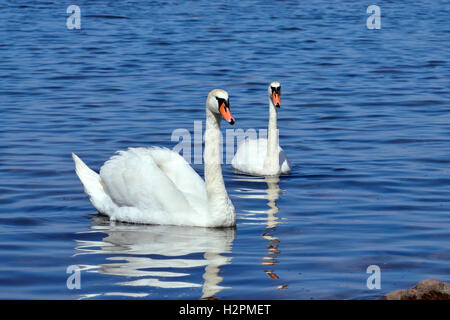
[[221, 101]]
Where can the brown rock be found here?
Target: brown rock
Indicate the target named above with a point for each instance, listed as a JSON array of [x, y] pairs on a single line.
[[428, 289]]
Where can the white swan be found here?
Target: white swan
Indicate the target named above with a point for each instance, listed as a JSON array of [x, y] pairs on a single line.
[[264, 156], [157, 186]]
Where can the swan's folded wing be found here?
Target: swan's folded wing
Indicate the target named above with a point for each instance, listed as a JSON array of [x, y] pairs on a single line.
[[134, 179], [180, 172], [285, 164], [250, 155]]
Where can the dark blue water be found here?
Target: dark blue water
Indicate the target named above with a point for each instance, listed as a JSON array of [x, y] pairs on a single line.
[[365, 121]]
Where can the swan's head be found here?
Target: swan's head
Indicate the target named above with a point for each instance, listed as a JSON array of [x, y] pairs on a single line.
[[219, 103], [274, 92]]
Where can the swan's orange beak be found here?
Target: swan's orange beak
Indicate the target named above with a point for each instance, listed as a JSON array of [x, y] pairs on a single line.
[[276, 99], [226, 113]]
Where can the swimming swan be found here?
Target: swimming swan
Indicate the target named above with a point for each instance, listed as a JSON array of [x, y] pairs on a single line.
[[157, 186], [264, 156]]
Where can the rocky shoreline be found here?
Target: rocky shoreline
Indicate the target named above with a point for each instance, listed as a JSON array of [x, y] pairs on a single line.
[[429, 289]]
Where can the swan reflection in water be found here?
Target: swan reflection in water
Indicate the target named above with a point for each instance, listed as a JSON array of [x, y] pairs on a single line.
[[270, 219], [143, 251]]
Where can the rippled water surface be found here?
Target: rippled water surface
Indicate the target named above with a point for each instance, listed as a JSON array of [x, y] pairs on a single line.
[[365, 122]]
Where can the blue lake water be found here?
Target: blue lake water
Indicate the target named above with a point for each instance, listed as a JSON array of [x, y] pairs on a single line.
[[365, 122]]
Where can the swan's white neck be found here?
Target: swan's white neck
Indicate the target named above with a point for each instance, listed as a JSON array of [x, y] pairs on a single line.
[[272, 161], [218, 200]]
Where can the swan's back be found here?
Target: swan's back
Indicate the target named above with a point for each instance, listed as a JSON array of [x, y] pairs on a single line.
[[158, 182], [250, 156]]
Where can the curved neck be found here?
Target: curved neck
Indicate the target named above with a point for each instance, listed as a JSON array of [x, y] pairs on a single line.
[[215, 186], [272, 159]]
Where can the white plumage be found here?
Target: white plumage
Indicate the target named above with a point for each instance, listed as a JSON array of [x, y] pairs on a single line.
[[157, 186], [264, 156], [251, 155]]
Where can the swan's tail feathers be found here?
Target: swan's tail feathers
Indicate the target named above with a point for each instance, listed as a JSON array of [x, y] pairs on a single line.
[[94, 187]]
